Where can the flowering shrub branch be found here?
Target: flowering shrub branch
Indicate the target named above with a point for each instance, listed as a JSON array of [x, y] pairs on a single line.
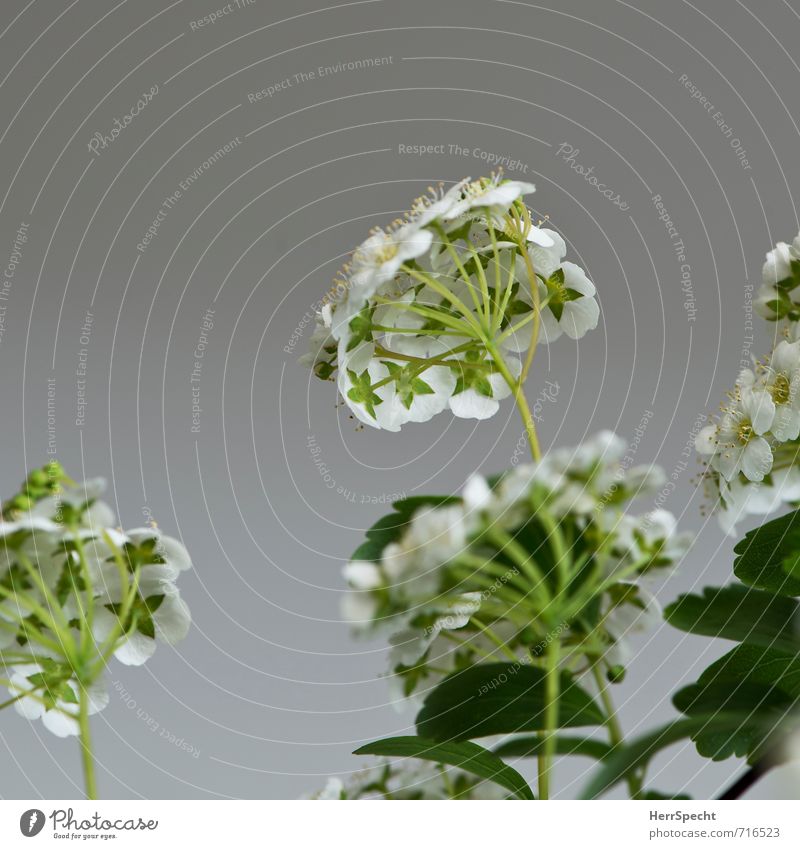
[[76, 591], [508, 605]]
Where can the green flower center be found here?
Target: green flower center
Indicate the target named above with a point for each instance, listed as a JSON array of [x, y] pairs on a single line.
[[745, 431], [780, 389]]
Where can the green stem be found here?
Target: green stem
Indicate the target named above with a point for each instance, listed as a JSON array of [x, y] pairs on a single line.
[[498, 641], [552, 687], [486, 655], [615, 735], [10, 702], [85, 740], [442, 290], [460, 265], [522, 402], [430, 312], [537, 308]]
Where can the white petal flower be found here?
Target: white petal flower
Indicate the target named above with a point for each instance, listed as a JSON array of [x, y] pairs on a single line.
[[777, 267], [362, 575], [740, 442], [781, 379], [359, 609], [628, 609], [434, 537], [768, 303], [570, 302], [162, 615], [476, 493], [546, 259], [54, 696], [437, 204], [492, 195], [82, 500], [479, 394], [373, 405]]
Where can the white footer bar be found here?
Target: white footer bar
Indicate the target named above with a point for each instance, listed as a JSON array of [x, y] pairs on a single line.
[[392, 825]]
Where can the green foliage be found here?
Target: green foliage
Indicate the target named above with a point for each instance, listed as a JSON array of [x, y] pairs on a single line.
[[768, 556], [739, 613], [500, 698], [759, 680], [468, 756], [529, 747], [760, 685]]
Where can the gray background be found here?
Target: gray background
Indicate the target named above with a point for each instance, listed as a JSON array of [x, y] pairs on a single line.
[[269, 686]]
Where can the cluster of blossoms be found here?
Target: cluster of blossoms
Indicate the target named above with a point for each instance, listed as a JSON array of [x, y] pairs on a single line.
[[751, 448], [410, 780], [76, 590], [439, 310], [473, 577]]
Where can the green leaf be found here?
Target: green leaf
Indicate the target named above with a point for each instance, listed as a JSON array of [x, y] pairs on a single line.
[[483, 386], [361, 392], [500, 698], [391, 527], [767, 554], [529, 747], [761, 686], [636, 755], [739, 613], [470, 757]]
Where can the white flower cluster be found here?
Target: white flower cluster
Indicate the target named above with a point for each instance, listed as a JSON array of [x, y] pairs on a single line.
[[409, 780], [751, 447], [75, 590], [434, 313], [454, 566], [781, 277]]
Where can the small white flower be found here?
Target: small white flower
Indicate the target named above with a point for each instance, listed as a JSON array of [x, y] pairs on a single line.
[[741, 446], [478, 393], [437, 204], [658, 537], [782, 382], [411, 644], [768, 303], [160, 615], [435, 536], [369, 392], [547, 258], [628, 609], [476, 494], [359, 609], [56, 696], [362, 575], [81, 501], [571, 307], [777, 267], [492, 195]]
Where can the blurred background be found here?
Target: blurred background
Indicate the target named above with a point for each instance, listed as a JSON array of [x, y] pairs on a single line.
[[186, 181]]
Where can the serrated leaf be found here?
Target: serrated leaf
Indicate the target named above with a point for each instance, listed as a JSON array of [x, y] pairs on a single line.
[[739, 613], [763, 552], [635, 755], [468, 756], [500, 698], [761, 686]]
